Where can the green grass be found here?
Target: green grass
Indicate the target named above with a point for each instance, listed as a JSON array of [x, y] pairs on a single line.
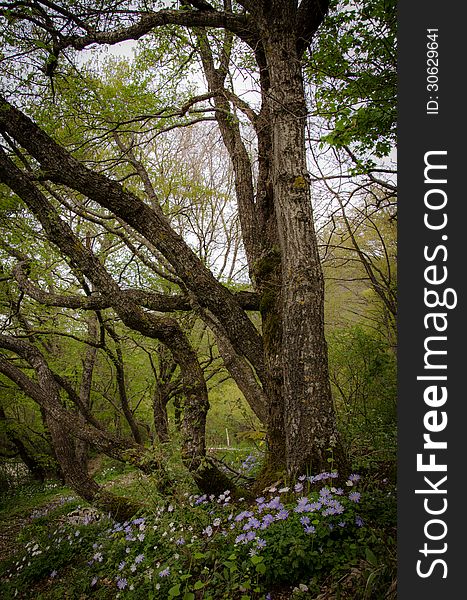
[[28, 497]]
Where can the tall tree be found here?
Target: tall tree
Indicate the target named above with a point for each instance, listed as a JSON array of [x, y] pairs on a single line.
[[273, 196]]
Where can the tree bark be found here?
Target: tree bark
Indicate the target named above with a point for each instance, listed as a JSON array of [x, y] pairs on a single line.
[[89, 360], [310, 426], [161, 421]]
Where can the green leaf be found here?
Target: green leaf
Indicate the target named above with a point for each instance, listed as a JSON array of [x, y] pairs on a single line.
[[370, 557], [174, 591], [40, 44], [198, 585]]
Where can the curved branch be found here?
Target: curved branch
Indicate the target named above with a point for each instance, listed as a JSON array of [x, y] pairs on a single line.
[[65, 169], [236, 23], [150, 300]]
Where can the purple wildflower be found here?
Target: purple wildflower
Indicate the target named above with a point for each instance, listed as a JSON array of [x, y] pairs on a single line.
[[275, 504], [302, 505], [139, 559], [252, 523], [267, 520], [122, 583], [243, 515], [165, 572], [208, 531], [354, 496]]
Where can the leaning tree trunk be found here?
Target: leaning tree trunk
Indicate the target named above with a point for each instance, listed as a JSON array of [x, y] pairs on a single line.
[[77, 477]]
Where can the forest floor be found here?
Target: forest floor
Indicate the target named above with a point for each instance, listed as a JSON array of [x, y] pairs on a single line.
[[53, 505]]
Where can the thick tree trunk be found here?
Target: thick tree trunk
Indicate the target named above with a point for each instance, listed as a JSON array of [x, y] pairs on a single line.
[[268, 277], [310, 425], [74, 471], [268, 281]]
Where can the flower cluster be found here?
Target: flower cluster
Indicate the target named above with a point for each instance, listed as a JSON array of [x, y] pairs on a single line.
[[159, 552]]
